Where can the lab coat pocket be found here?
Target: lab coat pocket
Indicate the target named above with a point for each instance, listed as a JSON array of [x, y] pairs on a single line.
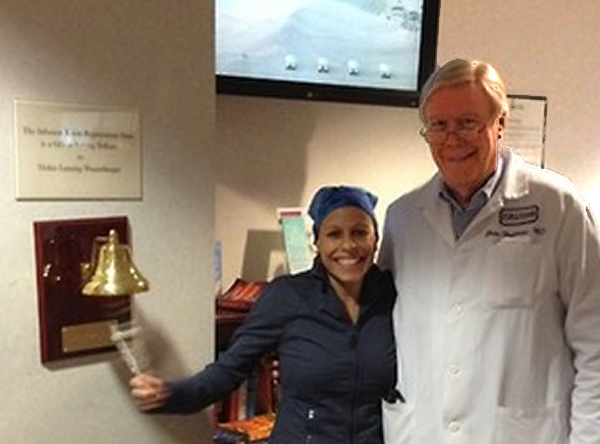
[[526, 426], [512, 269], [397, 422]]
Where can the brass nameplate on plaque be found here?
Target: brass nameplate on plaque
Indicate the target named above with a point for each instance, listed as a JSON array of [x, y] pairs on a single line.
[[89, 336]]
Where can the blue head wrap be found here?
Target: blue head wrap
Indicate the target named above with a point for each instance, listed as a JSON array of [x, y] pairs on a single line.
[[328, 199]]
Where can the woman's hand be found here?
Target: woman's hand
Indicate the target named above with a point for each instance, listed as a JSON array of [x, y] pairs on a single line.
[[149, 391]]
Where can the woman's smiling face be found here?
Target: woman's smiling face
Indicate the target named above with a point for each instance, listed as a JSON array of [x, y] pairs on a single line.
[[347, 243]]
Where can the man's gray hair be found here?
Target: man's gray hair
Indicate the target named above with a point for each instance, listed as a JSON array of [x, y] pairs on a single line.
[[459, 71]]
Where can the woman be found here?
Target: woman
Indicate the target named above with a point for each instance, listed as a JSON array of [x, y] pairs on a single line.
[[330, 327]]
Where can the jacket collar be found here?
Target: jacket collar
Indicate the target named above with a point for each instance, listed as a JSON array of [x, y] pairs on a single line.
[[328, 300], [516, 182]]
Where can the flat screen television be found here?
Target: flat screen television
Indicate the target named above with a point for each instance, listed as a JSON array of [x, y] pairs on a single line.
[[359, 51]]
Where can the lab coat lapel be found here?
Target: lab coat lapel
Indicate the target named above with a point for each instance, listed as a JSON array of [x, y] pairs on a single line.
[[435, 211], [514, 185]]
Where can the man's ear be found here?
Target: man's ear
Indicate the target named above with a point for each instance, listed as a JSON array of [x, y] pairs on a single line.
[[500, 121]]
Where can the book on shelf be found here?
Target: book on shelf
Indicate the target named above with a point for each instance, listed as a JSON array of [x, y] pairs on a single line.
[[257, 428], [267, 384], [255, 396], [233, 407], [223, 436], [241, 295], [239, 406]]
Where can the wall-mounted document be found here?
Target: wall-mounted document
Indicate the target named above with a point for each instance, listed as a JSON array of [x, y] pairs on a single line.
[[295, 239], [76, 151], [526, 131]]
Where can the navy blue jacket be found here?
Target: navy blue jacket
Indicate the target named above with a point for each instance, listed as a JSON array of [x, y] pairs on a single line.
[[334, 374]]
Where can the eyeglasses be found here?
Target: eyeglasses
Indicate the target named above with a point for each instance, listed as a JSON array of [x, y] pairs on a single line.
[[466, 129]]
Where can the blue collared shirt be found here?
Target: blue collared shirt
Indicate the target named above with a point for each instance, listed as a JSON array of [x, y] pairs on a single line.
[[461, 218]]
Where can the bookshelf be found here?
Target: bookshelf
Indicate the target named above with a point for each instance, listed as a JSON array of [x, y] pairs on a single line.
[[247, 415]]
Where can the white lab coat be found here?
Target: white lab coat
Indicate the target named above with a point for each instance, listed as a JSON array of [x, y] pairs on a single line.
[[498, 332]]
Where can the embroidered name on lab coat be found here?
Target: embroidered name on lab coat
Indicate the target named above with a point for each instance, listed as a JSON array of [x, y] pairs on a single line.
[[511, 217]]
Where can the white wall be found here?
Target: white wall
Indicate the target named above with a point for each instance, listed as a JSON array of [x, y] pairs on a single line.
[[156, 56], [276, 152]]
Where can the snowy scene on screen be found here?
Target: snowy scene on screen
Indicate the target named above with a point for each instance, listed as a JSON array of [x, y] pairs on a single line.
[[368, 43]]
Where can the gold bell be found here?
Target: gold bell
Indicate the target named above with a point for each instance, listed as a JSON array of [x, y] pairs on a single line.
[[115, 274]]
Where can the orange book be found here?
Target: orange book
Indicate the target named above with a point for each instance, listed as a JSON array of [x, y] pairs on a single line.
[[256, 428]]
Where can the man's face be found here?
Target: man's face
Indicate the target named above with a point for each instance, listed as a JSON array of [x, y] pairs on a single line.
[[465, 147]]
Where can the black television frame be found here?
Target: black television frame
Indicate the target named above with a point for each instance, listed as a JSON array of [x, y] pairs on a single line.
[[246, 86]]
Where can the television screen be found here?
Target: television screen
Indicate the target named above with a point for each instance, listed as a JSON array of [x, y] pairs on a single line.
[[363, 51]]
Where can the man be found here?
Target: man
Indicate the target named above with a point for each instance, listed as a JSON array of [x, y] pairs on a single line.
[[497, 266]]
